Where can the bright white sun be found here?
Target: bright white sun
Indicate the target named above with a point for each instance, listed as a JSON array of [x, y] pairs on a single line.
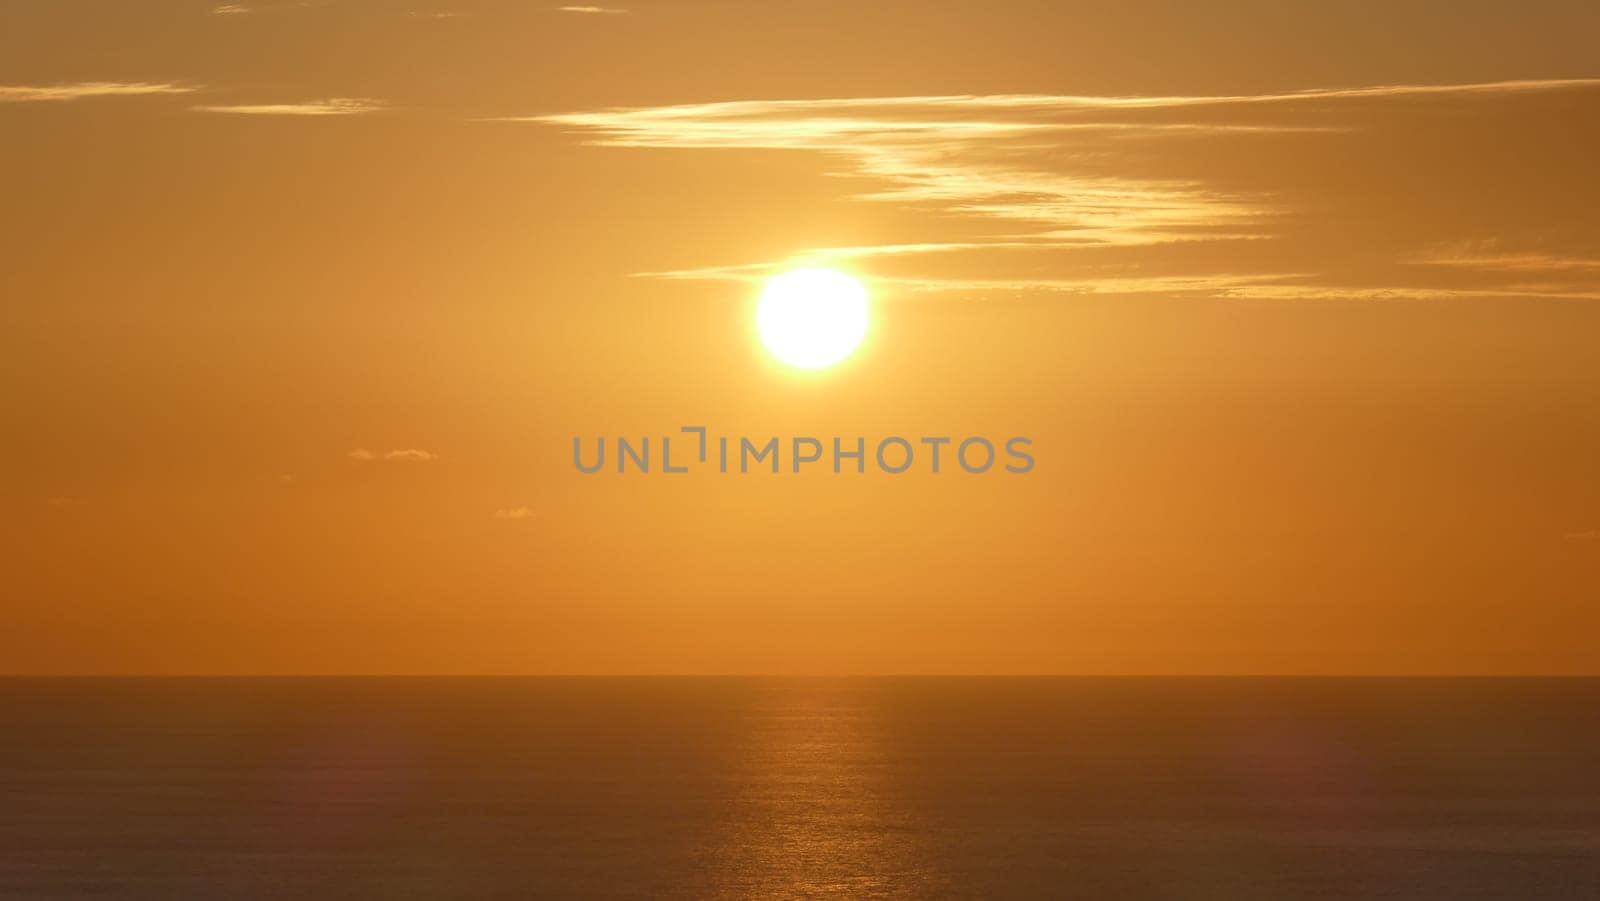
[[812, 318]]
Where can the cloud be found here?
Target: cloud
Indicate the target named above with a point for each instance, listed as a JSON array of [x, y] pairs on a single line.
[[1584, 537], [1265, 195], [333, 106], [940, 162], [591, 10], [1399, 292], [1215, 285], [1023, 104], [229, 9], [407, 455], [87, 89], [514, 513], [1487, 256]]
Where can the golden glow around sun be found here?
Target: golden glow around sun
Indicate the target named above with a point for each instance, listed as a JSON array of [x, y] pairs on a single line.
[[812, 318]]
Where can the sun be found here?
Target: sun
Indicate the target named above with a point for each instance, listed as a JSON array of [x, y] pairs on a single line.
[[811, 318]]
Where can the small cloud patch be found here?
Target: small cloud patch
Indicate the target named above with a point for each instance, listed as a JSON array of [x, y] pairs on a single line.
[[405, 455], [333, 106]]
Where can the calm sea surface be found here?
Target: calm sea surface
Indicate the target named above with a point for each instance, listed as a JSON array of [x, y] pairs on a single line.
[[772, 788]]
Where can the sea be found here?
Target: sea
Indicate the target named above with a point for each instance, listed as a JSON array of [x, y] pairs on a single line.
[[710, 788]]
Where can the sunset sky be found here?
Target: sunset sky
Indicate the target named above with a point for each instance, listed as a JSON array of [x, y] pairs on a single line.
[[302, 305]]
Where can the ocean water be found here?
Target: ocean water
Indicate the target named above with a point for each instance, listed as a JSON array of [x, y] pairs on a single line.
[[778, 788]]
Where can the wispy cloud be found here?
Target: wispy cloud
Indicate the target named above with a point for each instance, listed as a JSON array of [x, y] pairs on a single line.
[[1399, 292], [1212, 284], [951, 163], [333, 106], [591, 10], [406, 455], [229, 9], [1485, 257], [514, 513], [1122, 193], [1040, 103], [87, 89]]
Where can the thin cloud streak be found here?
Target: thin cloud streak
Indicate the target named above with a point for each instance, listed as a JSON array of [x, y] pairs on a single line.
[[1401, 292], [1222, 284], [333, 106], [400, 455], [1045, 102], [61, 93], [1512, 262]]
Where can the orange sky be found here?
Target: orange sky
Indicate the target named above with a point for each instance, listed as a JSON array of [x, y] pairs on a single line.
[[1300, 309]]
